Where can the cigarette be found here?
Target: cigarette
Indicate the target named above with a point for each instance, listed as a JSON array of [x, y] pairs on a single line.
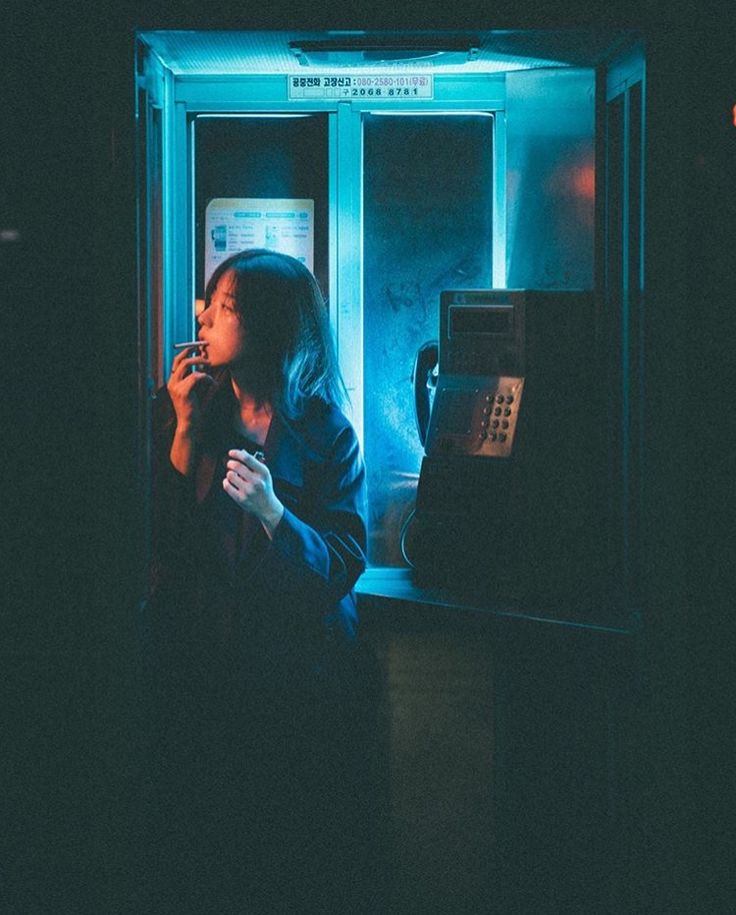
[[189, 343]]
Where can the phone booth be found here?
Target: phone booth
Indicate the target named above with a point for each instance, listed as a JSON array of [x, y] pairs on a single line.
[[398, 167]]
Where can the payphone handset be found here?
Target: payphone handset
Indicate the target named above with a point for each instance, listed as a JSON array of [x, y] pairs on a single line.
[[424, 379], [481, 374]]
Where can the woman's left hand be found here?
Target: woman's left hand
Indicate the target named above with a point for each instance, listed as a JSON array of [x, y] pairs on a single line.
[[248, 483]]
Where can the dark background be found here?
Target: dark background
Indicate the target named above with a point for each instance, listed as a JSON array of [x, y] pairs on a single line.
[[72, 706]]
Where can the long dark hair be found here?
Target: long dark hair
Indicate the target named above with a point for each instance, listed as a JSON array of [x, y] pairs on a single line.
[[288, 338]]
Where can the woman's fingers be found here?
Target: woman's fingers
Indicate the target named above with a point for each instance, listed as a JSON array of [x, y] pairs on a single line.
[[180, 357], [184, 360], [247, 479], [241, 472], [192, 379], [180, 369], [235, 482], [242, 486], [248, 483], [254, 462], [236, 470], [233, 488]]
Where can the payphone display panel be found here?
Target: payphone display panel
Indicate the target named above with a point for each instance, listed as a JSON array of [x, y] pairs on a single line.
[[482, 332]]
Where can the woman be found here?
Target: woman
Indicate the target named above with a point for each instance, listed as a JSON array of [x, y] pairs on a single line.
[[259, 538]]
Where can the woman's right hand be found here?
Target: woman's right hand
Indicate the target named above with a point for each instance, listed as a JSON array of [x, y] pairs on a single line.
[[182, 386]]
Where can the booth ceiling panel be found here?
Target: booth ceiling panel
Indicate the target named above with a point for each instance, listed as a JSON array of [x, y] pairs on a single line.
[[231, 53]]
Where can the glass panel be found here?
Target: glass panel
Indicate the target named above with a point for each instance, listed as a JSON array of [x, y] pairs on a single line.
[[550, 163], [427, 226], [275, 158]]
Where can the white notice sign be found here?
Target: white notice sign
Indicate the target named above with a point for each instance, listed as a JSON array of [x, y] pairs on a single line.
[[233, 224]]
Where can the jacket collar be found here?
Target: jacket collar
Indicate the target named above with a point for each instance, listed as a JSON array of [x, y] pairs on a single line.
[[283, 448], [284, 452]]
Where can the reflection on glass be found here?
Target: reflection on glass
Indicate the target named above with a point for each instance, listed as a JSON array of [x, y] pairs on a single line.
[[271, 159], [550, 159]]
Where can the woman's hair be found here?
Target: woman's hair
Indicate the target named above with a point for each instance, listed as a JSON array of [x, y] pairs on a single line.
[[288, 341]]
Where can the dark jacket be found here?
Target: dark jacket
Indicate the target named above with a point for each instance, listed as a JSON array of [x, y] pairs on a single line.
[[275, 615], [262, 747]]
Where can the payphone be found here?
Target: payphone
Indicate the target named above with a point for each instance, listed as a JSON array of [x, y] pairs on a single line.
[[511, 496]]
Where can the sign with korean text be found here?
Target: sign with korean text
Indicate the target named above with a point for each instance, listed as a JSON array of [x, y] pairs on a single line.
[[390, 87]]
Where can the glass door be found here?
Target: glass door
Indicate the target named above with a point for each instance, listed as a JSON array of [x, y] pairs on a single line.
[[260, 181], [428, 214]]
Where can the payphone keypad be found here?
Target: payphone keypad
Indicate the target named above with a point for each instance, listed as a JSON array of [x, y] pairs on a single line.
[[475, 416], [499, 418]]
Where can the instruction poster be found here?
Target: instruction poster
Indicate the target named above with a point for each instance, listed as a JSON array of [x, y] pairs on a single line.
[[235, 223]]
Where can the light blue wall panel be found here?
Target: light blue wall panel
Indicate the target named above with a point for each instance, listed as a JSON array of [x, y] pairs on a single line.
[[550, 178]]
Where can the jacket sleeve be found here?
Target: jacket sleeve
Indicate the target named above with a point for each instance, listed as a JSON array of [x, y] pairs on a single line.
[[319, 553]]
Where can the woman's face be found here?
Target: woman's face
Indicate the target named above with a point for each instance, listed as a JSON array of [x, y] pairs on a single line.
[[220, 326]]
